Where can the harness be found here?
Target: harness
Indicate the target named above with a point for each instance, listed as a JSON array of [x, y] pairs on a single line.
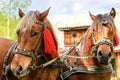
[[6, 67], [106, 41], [86, 69], [33, 54], [70, 69]]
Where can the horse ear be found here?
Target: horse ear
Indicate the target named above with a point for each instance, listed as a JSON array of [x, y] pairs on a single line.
[[92, 15], [112, 12], [44, 14], [21, 13]]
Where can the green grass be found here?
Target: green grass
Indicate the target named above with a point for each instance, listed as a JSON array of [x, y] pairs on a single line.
[[3, 26]]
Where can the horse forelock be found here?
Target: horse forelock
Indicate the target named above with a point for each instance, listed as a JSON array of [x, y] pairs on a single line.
[[97, 23], [27, 22]]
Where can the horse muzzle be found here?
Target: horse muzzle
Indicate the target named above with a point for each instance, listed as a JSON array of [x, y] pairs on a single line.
[[104, 59], [18, 71]]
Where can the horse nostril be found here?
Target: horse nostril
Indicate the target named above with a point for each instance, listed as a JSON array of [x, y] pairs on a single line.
[[100, 53], [19, 68], [110, 54]]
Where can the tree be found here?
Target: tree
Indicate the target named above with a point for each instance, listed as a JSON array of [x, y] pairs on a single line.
[[10, 8], [3, 29]]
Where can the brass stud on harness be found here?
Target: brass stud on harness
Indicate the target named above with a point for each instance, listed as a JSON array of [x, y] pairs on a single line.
[[28, 53], [16, 50]]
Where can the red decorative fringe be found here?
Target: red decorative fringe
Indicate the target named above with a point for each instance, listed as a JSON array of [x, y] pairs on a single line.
[[116, 40], [89, 43], [50, 47]]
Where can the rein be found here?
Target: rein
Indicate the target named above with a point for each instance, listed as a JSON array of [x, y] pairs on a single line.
[[82, 57]]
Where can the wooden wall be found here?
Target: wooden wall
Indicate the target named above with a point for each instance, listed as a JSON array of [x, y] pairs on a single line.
[[72, 37], [117, 60]]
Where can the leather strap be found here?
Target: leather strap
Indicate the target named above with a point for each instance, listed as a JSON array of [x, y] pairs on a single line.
[[86, 69]]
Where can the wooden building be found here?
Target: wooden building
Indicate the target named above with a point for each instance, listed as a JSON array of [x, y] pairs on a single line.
[[73, 34], [116, 61]]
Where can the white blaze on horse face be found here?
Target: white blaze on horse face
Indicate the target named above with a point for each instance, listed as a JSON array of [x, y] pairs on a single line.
[[103, 32]]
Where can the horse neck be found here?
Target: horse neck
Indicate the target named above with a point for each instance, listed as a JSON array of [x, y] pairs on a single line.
[[83, 48]]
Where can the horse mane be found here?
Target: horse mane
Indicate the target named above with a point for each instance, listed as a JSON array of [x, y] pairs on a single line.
[[99, 17], [29, 20], [82, 42]]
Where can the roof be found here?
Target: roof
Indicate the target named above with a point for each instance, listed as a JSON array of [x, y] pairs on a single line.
[[66, 21], [74, 28]]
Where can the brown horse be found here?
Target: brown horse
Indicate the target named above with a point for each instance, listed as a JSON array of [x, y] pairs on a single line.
[[37, 44], [6, 47], [90, 58]]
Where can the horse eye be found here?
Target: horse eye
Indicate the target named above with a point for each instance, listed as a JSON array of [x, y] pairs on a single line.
[[18, 31], [35, 34]]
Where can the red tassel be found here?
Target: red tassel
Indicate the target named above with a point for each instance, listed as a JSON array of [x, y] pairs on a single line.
[[50, 47], [116, 40], [89, 43]]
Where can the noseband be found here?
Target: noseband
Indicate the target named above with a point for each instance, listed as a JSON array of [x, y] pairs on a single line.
[[101, 41], [33, 53]]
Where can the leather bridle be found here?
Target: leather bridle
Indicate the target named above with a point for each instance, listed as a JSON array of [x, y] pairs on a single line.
[[33, 53], [95, 44]]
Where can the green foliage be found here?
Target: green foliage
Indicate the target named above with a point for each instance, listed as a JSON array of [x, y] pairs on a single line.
[[8, 12], [3, 26], [10, 7]]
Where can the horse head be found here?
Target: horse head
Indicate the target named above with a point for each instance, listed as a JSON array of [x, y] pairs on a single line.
[[103, 36], [32, 31]]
